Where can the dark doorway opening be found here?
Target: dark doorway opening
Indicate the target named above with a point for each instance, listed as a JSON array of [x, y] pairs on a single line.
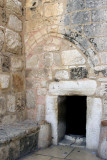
[[71, 115]]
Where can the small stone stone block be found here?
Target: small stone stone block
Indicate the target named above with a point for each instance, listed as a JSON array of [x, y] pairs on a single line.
[[82, 17], [45, 135], [2, 106], [5, 64], [30, 98], [4, 81], [73, 5], [18, 82], [1, 39], [79, 73]]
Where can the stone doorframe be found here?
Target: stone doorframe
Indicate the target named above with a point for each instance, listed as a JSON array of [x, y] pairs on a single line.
[[84, 87]]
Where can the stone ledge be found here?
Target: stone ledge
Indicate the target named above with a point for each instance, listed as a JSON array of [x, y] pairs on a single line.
[[17, 130]]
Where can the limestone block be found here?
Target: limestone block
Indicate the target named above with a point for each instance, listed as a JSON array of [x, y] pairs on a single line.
[[4, 81], [32, 83], [45, 135], [16, 64], [13, 41], [94, 111], [95, 3], [80, 87], [14, 23], [20, 101], [4, 152], [78, 73], [75, 5], [57, 59], [100, 43], [102, 90], [99, 15], [40, 113], [51, 47], [18, 82], [102, 69], [14, 149], [32, 62], [103, 57], [1, 3], [82, 17], [11, 103], [62, 74], [8, 119], [5, 63], [72, 57], [41, 91], [54, 9], [14, 5], [30, 99], [48, 59], [2, 106], [67, 20], [1, 39], [93, 30]]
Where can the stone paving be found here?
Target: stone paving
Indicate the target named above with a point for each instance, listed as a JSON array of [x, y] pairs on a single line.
[[62, 152]]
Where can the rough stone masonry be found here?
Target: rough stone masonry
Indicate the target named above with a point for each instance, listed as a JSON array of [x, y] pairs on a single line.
[[47, 43]]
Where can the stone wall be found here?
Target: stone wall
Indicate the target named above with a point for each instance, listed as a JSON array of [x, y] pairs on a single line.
[[12, 62], [64, 40]]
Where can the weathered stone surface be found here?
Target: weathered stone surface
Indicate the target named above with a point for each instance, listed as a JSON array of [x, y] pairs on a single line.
[[102, 90], [56, 59], [1, 39], [80, 87], [16, 64], [11, 103], [102, 69], [53, 9], [62, 74], [94, 111], [79, 73], [35, 73], [51, 48], [99, 43], [93, 30], [4, 152], [1, 3], [13, 41], [95, 3], [67, 19], [45, 135], [20, 102], [15, 6], [40, 113], [72, 57], [99, 15], [41, 91], [32, 83], [2, 106], [14, 149], [14, 23], [81, 17], [5, 64], [32, 62], [30, 99], [48, 59], [18, 82], [4, 81], [8, 119], [103, 57], [73, 5]]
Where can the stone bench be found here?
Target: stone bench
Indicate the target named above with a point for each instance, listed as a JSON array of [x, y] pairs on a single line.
[[18, 139]]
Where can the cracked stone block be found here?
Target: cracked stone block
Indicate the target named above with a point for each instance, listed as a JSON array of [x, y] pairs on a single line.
[[62, 74], [18, 82], [81, 17], [14, 23], [13, 41], [30, 99], [2, 106], [1, 39], [73, 5], [99, 15], [72, 57], [79, 73], [4, 81], [15, 6], [11, 104], [5, 64]]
